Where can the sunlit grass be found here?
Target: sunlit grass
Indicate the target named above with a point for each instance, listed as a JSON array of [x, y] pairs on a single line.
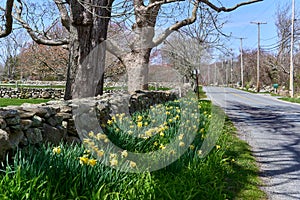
[[16, 102], [293, 100]]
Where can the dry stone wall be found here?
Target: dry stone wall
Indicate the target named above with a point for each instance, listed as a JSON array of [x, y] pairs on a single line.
[[53, 122]]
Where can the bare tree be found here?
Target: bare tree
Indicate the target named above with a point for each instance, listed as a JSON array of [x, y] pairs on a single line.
[[10, 48], [191, 49], [146, 20]]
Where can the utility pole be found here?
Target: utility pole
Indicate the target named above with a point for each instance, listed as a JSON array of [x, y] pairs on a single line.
[[292, 51], [242, 62], [258, 53]]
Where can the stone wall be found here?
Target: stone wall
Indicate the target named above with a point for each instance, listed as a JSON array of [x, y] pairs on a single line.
[[53, 122], [34, 93]]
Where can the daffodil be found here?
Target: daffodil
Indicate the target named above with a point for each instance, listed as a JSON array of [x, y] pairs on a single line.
[[199, 152], [130, 132], [139, 118], [56, 150], [124, 154], [181, 144], [100, 153], [113, 162], [83, 160], [180, 137], [139, 124], [218, 146], [132, 164], [162, 146], [91, 134], [162, 134], [172, 152], [101, 136], [92, 162], [109, 122], [192, 147]]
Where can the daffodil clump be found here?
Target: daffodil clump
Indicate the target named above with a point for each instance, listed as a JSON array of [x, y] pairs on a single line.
[[150, 131]]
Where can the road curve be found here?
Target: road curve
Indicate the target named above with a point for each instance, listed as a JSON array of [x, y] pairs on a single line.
[[272, 129]]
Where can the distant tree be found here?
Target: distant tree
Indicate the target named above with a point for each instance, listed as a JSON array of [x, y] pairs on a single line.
[[42, 62], [191, 48], [10, 48]]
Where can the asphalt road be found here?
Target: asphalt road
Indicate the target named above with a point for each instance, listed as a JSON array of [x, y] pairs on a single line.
[[272, 128]]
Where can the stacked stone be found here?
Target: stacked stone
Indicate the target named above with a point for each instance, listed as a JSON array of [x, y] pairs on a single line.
[[33, 93], [53, 122]]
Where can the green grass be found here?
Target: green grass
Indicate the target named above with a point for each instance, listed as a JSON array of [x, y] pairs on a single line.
[[16, 102], [32, 86], [293, 100], [228, 172]]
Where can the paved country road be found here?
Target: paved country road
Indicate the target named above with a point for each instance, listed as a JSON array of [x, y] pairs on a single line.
[[272, 128]]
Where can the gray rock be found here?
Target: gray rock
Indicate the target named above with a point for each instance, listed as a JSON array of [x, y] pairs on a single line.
[[2, 123], [15, 137], [36, 121], [13, 121], [4, 144], [52, 135], [26, 114], [55, 120], [8, 113], [25, 123], [64, 116], [34, 135]]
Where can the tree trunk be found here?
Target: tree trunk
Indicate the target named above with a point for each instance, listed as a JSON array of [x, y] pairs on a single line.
[[137, 69], [87, 55]]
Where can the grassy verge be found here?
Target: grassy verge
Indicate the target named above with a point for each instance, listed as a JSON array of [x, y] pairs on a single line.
[[293, 100], [75, 172], [17, 102]]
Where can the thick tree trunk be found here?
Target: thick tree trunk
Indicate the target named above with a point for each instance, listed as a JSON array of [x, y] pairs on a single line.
[[137, 69], [87, 54]]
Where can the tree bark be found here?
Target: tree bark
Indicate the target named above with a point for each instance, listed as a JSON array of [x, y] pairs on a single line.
[[88, 28], [137, 69]]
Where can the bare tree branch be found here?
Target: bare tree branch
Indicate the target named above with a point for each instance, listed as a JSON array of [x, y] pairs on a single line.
[[157, 3], [178, 25], [32, 33], [9, 19], [223, 9], [65, 18]]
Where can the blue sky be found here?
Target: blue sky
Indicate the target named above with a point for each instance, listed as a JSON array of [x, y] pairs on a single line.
[[239, 23]]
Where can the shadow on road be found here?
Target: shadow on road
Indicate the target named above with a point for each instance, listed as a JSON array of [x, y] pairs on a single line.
[[274, 134]]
